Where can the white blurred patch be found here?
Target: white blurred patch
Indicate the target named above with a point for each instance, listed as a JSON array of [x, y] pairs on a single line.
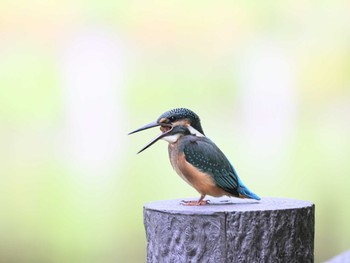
[[268, 101], [92, 67]]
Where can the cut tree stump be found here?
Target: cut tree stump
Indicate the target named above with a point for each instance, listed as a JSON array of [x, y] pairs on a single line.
[[230, 230]]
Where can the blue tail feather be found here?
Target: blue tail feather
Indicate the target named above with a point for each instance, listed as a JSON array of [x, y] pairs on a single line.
[[242, 189]]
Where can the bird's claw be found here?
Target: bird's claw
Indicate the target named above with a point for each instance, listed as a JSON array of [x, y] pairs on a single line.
[[195, 203]]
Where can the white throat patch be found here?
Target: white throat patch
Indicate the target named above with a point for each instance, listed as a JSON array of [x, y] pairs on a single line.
[[171, 138]]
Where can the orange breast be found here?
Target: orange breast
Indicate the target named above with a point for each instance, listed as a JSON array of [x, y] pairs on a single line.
[[202, 182]]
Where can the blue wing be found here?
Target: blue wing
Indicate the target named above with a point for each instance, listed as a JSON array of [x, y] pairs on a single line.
[[208, 158]]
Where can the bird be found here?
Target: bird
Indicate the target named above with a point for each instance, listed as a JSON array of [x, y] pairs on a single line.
[[196, 158]]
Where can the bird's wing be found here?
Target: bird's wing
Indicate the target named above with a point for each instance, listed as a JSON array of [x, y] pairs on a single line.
[[208, 158]]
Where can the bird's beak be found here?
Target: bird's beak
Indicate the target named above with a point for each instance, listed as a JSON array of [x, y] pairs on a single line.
[[149, 125], [165, 131], [158, 137]]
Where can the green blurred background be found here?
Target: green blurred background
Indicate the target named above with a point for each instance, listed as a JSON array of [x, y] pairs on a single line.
[[270, 80]]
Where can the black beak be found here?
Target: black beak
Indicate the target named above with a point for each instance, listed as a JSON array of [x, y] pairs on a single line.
[[158, 137], [151, 125]]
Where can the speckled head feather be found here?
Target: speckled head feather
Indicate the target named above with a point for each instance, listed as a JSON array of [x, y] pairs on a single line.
[[183, 113]]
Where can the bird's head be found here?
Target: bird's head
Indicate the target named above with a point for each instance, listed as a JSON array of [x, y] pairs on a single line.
[[168, 121]]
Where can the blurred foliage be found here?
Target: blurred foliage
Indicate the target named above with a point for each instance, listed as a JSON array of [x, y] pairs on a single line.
[[269, 79]]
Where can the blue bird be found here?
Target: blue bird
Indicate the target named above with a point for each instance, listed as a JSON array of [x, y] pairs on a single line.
[[196, 158]]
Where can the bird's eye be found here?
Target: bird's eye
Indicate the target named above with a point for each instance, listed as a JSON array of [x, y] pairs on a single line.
[[172, 119]]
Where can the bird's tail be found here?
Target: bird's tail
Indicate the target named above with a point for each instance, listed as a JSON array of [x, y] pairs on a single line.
[[245, 192]]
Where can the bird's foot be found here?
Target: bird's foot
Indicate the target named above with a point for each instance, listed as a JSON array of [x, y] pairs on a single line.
[[195, 203]]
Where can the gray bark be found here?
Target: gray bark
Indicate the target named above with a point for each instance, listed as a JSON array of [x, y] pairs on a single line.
[[270, 230]]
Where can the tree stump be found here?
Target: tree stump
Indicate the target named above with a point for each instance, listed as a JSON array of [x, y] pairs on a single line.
[[230, 230]]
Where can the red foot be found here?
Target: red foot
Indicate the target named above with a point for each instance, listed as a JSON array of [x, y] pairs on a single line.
[[194, 203]]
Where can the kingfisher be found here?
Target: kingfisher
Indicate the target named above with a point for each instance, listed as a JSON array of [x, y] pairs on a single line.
[[196, 158]]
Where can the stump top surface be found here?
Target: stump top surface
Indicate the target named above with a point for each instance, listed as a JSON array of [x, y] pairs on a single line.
[[226, 204]]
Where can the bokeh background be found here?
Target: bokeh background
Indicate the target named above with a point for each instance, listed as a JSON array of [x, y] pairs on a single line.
[[269, 79]]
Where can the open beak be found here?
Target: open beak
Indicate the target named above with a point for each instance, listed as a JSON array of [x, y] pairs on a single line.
[[165, 128], [158, 137]]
